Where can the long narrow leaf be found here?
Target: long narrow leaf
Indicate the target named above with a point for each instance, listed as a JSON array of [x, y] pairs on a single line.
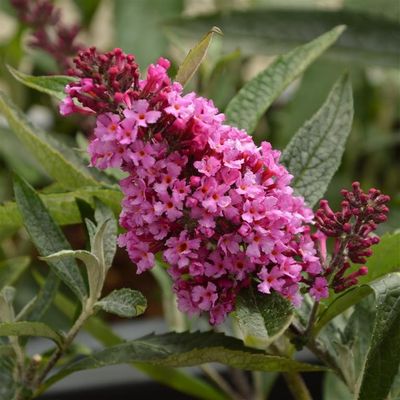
[[315, 151], [47, 236], [246, 108]]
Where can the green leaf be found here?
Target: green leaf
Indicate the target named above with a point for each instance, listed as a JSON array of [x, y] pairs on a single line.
[[187, 349], [53, 85], [38, 306], [25, 328], [95, 271], [104, 214], [383, 8], [395, 390], [47, 236], [314, 153], [341, 304], [62, 207], [383, 358], [174, 378], [8, 385], [246, 108], [195, 57], [7, 295], [334, 388], [57, 159], [12, 269], [368, 39], [125, 303], [262, 318], [134, 18], [385, 258]]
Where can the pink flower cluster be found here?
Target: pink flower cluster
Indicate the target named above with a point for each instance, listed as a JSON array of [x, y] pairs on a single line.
[[218, 207]]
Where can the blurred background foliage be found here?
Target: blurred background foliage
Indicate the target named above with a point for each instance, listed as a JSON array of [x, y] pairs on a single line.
[[255, 31]]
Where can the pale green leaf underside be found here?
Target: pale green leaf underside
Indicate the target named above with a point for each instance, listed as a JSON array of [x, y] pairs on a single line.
[[314, 153], [25, 328], [125, 303], [246, 108], [53, 85]]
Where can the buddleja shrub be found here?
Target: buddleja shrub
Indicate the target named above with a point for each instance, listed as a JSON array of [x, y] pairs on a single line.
[[226, 226]]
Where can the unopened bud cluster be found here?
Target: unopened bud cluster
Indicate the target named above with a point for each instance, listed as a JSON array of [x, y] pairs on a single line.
[[352, 227]]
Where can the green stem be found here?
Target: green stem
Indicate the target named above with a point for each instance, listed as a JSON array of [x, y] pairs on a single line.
[[297, 386], [258, 385], [220, 381], [85, 314], [311, 321]]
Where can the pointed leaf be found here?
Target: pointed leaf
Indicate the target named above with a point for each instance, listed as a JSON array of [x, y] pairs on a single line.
[[126, 303], [195, 57], [24, 328], [314, 153], [368, 39], [54, 85], [47, 236], [11, 270], [57, 159], [262, 317], [383, 358], [246, 108], [187, 349]]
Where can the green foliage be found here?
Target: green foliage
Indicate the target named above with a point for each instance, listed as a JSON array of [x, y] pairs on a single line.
[[186, 349], [174, 378], [368, 39], [262, 318], [383, 357], [59, 161], [126, 303], [246, 108], [12, 269], [385, 258], [104, 215], [149, 42], [24, 328], [47, 236], [195, 57], [62, 207], [315, 151], [53, 85], [334, 388]]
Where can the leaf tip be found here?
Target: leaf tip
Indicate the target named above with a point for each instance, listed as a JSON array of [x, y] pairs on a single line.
[[217, 30]]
